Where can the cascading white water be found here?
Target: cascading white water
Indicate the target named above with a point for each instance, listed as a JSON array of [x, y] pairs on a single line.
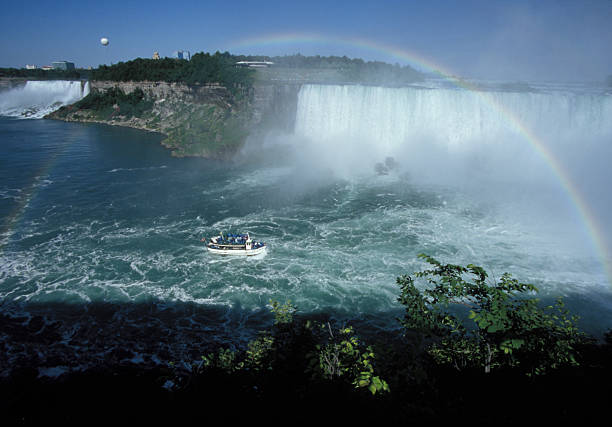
[[356, 126], [39, 98], [523, 148], [391, 118]]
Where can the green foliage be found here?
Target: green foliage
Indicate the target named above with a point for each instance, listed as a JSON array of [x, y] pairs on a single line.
[[256, 358], [140, 69], [283, 314], [508, 329], [224, 360], [343, 356], [220, 68], [114, 102], [205, 129], [259, 353], [355, 70], [39, 73], [310, 351], [201, 69]]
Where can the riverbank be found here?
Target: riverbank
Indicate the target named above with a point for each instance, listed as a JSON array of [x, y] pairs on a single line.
[[138, 396], [196, 120]]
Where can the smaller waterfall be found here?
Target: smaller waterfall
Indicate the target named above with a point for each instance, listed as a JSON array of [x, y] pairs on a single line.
[[39, 98]]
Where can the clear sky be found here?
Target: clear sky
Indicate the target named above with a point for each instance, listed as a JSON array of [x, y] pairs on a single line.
[[511, 40]]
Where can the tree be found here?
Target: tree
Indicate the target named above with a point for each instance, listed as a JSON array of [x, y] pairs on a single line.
[[468, 323], [343, 357]]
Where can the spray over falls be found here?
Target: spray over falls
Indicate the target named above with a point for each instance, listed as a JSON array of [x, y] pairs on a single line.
[[547, 138], [535, 150]]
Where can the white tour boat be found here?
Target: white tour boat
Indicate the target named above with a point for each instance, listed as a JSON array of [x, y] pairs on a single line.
[[235, 244]]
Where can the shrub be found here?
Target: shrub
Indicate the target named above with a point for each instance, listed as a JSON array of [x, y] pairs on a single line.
[[472, 324]]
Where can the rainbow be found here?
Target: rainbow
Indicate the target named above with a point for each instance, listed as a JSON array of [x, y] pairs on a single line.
[[423, 64], [27, 195]]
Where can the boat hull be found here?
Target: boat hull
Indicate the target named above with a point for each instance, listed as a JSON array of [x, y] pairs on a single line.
[[234, 252]]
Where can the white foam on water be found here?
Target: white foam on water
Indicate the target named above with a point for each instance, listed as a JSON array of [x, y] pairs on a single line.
[[53, 371], [136, 169]]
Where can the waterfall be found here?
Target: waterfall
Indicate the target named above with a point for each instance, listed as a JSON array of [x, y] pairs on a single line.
[[448, 134], [391, 118], [540, 149], [39, 98]]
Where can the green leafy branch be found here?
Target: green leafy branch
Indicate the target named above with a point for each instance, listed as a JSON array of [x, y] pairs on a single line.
[[507, 329]]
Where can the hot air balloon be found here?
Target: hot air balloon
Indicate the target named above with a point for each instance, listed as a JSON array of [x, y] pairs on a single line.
[[104, 41]]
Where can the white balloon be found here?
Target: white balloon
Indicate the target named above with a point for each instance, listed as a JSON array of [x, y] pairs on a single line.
[[104, 41]]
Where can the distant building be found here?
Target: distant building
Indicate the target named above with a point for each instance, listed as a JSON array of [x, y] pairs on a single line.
[[155, 55], [30, 67], [182, 54], [46, 67], [254, 64], [63, 65]]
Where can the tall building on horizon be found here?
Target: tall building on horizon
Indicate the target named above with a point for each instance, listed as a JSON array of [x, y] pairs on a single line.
[[63, 65], [182, 54]]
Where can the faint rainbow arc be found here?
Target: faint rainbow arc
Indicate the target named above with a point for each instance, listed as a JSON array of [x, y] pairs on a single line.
[[28, 194], [424, 64]]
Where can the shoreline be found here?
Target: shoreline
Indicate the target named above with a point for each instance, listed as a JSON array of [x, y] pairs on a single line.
[[196, 121]]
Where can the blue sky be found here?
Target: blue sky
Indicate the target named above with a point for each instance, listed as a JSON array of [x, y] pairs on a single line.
[[510, 40]]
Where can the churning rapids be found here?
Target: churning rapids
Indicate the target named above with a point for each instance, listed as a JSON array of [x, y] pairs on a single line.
[[101, 260]]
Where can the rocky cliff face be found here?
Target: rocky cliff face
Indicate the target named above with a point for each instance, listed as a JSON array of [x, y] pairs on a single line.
[[198, 94], [197, 120], [274, 105]]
